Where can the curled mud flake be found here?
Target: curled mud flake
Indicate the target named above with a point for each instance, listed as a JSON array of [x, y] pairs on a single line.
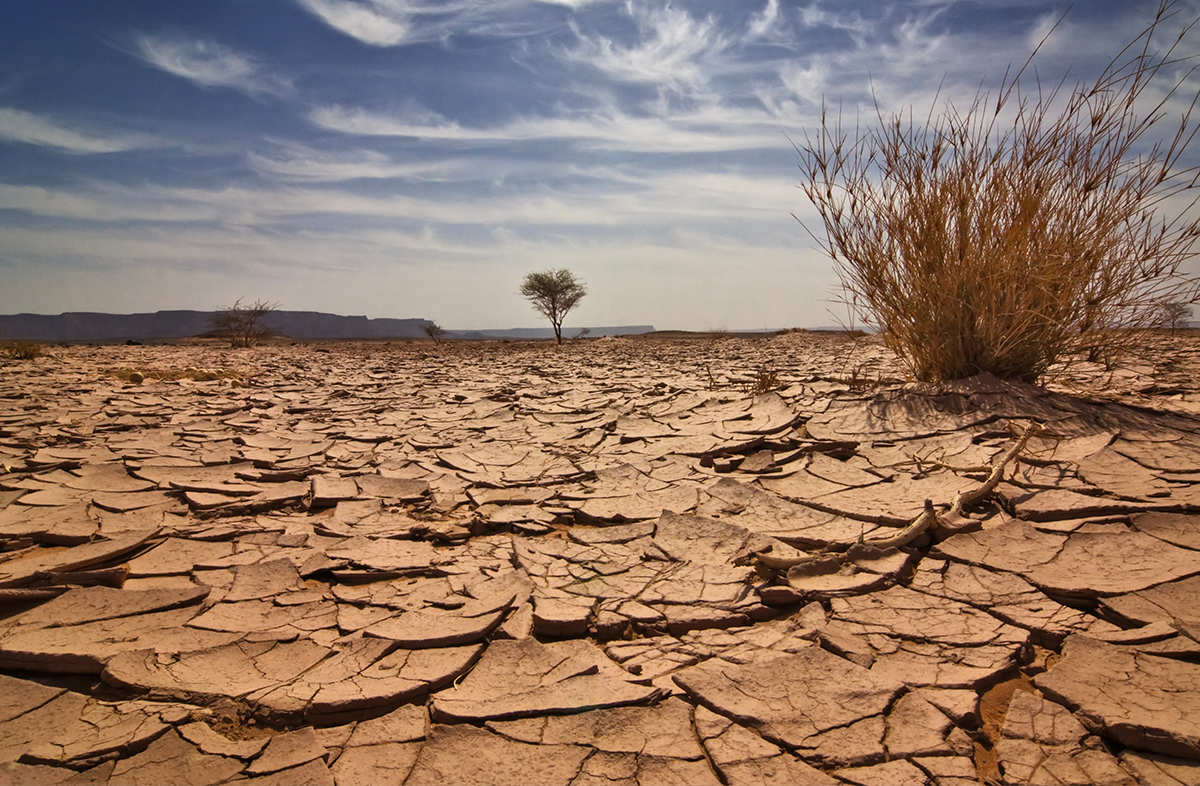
[[1140, 701]]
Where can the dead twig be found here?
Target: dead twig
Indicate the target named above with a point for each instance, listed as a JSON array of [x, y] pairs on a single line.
[[928, 521]]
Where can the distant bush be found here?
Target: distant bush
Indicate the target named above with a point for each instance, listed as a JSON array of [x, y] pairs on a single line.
[[1028, 228], [243, 325], [22, 350], [434, 331]]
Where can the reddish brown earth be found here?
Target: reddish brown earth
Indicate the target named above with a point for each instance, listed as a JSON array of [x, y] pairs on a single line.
[[619, 561]]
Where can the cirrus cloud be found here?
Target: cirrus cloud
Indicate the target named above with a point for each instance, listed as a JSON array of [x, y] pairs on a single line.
[[208, 64], [19, 126], [375, 22], [669, 52]]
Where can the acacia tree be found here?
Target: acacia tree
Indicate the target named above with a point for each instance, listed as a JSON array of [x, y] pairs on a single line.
[[1176, 315], [243, 325], [1032, 227], [553, 294]]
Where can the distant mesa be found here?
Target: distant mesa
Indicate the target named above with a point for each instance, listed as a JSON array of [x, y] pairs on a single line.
[[305, 325], [161, 325]]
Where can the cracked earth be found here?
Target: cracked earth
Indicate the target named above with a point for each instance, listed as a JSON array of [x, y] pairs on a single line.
[[619, 561]]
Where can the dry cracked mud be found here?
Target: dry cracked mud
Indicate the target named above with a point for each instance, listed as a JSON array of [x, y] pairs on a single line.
[[619, 561]]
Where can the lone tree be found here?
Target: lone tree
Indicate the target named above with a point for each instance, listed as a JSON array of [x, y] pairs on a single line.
[[243, 325], [1034, 226], [1176, 315], [553, 293]]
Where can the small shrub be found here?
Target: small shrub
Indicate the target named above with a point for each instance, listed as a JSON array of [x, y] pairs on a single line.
[[23, 350]]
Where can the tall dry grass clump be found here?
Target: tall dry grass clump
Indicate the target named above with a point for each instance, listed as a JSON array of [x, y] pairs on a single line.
[[1025, 230]]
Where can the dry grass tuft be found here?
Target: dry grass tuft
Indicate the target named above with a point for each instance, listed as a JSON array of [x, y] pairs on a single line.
[[1025, 229], [764, 380]]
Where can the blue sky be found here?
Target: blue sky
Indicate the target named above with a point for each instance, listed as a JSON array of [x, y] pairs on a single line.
[[412, 158]]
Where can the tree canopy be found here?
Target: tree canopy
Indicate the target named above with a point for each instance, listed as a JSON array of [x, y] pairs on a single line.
[[553, 293]]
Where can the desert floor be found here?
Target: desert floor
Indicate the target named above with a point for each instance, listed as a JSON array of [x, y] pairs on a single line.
[[619, 561]]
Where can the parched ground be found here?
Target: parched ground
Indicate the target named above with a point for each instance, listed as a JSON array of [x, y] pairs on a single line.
[[619, 561]]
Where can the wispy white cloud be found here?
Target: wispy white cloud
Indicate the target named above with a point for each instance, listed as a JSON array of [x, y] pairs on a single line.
[[209, 64], [374, 22], [31, 129], [766, 24], [591, 197], [576, 4], [844, 18], [412, 122], [303, 164], [710, 128], [670, 52], [897, 60], [807, 82], [386, 23], [105, 204]]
